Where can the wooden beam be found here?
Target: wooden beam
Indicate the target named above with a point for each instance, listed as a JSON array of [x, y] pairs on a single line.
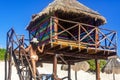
[[56, 27], [73, 50], [69, 71], [54, 48], [63, 60], [80, 55], [88, 33], [55, 66], [64, 48], [67, 30], [85, 55], [97, 63]]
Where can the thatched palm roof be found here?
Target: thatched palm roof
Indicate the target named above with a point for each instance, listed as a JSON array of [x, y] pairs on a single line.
[[70, 8], [78, 66], [112, 66], [81, 66]]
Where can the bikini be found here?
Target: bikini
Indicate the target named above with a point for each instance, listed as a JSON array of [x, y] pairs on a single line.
[[34, 57]]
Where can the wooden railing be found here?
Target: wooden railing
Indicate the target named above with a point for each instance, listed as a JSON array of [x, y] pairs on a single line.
[[84, 34], [20, 57], [81, 33]]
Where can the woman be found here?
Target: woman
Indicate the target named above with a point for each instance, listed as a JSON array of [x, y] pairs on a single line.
[[32, 49]]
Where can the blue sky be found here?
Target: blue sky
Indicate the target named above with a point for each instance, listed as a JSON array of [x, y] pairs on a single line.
[[17, 14]]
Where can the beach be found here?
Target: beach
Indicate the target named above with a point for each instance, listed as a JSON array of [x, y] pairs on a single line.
[[47, 69]]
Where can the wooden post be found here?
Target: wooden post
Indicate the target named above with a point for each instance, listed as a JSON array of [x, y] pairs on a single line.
[[10, 60], [113, 76], [96, 39], [97, 63], [6, 55], [55, 67], [51, 30], [69, 71], [10, 66], [79, 32], [75, 75], [29, 36], [56, 27]]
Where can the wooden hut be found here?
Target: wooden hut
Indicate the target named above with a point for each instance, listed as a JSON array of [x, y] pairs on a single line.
[[71, 33], [112, 66]]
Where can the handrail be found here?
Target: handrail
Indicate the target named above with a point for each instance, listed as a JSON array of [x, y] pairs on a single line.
[[106, 38], [14, 42], [89, 35]]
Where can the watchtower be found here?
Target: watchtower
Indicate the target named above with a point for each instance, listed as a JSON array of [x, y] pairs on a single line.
[[72, 33]]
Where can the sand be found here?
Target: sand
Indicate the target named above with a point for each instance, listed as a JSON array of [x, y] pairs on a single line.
[[47, 69]]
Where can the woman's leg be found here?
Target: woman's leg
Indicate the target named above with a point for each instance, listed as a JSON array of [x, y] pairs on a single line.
[[34, 68]]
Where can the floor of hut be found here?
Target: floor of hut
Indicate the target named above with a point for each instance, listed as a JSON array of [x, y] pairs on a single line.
[[74, 45]]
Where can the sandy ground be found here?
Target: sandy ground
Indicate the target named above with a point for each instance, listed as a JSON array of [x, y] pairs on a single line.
[[47, 69]]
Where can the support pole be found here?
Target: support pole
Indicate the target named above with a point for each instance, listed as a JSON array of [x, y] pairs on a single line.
[[6, 55], [79, 32], [55, 67], [69, 71], [56, 27], [6, 66], [10, 60], [97, 63], [96, 39], [113, 76], [75, 75], [10, 67]]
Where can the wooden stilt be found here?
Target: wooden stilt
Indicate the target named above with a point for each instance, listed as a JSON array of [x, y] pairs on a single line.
[[10, 63], [55, 67], [75, 75], [96, 39], [6, 56], [69, 71], [97, 63], [113, 76], [9, 68]]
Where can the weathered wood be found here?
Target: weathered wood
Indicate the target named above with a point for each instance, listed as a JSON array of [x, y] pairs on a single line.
[[66, 20], [79, 55], [88, 34], [66, 48], [51, 33], [10, 65], [73, 50], [55, 66], [54, 47], [69, 71], [66, 30], [64, 61], [97, 63], [79, 32], [106, 37], [56, 27]]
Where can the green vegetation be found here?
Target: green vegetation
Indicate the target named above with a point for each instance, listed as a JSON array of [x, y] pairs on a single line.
[[2, 53], [92, 64]]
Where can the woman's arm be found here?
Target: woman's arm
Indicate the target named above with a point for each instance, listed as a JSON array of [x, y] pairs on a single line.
[[41, 50], [26, 49]]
